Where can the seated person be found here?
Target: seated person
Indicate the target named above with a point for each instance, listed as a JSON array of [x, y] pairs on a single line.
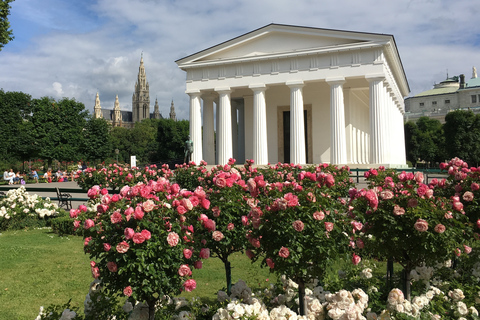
[[11, 177], [18, 177], [35, 175], [58, 175], [6, 177]]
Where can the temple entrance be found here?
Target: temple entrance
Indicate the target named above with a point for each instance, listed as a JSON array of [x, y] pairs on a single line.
[[284, 133]]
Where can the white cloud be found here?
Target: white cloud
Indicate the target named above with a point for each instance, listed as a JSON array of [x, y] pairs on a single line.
[[90, 46]]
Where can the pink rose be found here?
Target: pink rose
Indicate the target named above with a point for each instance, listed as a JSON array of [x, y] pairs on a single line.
[[318, 215], [128, 232], [398, 211], [292, 200], [467, 249], [421, 225], [360, 244], [116, 217], [138, 215], [329, 226], [83, 208], [216, 212], [386, 194], [88, 224], [419, 177], [458, 206], [148, 205], [217, 235], [128, 291], [209, 225], [187, 204], [95, 272], [474, 186], [204, 253], [184, 271], [187, 253], [104, 191], [205, 204], [458, 252], [172, 239], [412, 203], [245, 220], [230, 226], [122, 247], [112, 266], [284, 252], [298, 225], [220, 182], [86, 241], [138, 238], [439, 228], [146, 234], [468, 196], [270, 263], [198, 264], [107, 247], [249, 254], [478, 223], [254, 242], [74, 213], [190, 285], [76, 224], [356, 259], [181, 210]]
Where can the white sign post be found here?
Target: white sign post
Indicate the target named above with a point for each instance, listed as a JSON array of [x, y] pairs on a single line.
[[133, 161]]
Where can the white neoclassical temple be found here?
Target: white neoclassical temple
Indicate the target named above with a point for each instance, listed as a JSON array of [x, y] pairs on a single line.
[[302, 95]]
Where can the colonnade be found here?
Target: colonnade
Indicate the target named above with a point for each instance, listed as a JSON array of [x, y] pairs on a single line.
[[372, 138]]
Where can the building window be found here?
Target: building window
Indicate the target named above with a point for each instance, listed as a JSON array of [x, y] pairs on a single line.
[[474, 98], [447, 101], [422, 104], [434, 103]]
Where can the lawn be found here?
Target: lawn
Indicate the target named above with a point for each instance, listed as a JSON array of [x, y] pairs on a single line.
[[39, 268]]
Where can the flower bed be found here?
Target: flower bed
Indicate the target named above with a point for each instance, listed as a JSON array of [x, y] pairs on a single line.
[[146, 241]]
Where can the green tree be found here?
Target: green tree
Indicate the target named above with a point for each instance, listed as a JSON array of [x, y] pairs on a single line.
[[143, 138], [120, 139], [411, 142], [58, 128], [462, 136], [6, 34], [97, 143], [16, 134], [431, 140], [171, 139]]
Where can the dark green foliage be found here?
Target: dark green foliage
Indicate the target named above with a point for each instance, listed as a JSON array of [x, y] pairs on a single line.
[[462, 136], [6, 34], [171, 139], [62, 225], [96, 140], [424, 141]]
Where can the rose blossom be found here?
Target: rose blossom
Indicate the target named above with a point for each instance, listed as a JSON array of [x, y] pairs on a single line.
[[95, 272], [458, 206], [217, 235], [198, 264], [298, 225], [421, 225], [86, 241], [356, 259], [138, 238], [112, 266], [204, 253], [439, 228], [107, 247], [249, 254], [172, 239], [122, 247], [128, 232], [270, 263], [398, 211], [128, 291], [146, 234], [116, 217], [148, 205], [184, 271], [230, 226], [467, 249], [138, 215], [318, 215], [190, 285], [187, 253], [468, 196], [329, 226], [284, 252], [88, 224], [478, 223], [209, 224]]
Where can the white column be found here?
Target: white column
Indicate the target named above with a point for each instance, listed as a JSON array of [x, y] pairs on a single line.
[[224, 130], [338, 146], [196, 126], [208, 130], [260, 146], [377, 141], [234, 129], [297, 127]]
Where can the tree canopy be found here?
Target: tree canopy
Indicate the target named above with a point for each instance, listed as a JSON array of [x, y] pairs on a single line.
[[6, 34]]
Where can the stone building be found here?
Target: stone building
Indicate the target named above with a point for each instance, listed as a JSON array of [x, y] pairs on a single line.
[[296, 94], [140, 105], [451, 94]]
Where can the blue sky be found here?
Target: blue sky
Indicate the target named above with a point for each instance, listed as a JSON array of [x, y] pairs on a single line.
[[76, 48]]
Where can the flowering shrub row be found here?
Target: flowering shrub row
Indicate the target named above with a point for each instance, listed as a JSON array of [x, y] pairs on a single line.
[[19, 209], [146, 240]]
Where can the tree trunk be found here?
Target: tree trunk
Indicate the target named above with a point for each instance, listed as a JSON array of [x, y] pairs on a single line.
[[228, 274], [389, 274], [301, 296], [406, 282], [151, 309]]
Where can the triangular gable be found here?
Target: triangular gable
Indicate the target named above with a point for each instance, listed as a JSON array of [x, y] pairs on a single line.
[[281, 39]]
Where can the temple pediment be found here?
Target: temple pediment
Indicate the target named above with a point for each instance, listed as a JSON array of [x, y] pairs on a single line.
[[281, 40]]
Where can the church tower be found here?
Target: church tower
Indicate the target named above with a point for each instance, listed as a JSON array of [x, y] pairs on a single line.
[[141, 96], [117, 115], [173, 116], [156, 110], [98, 108]]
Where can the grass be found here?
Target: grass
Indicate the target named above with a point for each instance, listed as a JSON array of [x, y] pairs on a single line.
[[39, 268]]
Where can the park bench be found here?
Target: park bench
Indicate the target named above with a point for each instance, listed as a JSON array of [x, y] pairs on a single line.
[[63, 195], [64, 199]]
